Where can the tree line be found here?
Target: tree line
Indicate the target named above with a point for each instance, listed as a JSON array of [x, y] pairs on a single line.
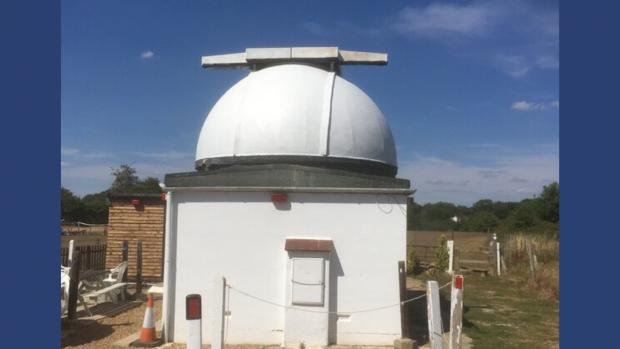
[[93, 208], [540, 214]]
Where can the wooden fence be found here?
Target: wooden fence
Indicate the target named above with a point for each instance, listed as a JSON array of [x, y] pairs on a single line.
[[425, 253], [92, 257]]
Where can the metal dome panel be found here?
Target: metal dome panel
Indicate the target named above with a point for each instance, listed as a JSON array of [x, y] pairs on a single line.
[[296, 110]]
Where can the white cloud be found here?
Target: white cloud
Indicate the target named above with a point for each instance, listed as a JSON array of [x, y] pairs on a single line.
[[516, 37], [167, 155], [548, 62], [438, 20], [314, 28], [522, 106], [515, 66], [534, 106], [66, 152], [509, 178], [147, 54], [69, 151]]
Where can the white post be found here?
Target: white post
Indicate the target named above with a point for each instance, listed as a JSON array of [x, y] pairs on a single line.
[[193, 315], [71, 249], [456, 312], [450, 256], [435, 332], [499, 272], [219, 299], [169, 271]]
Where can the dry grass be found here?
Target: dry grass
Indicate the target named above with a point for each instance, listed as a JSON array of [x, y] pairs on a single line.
[[499, 315], [545, 281]]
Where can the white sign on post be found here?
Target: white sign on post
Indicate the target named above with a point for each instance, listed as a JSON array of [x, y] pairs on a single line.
[[435, 331], [193, 315], [450, 245], [456, 312]]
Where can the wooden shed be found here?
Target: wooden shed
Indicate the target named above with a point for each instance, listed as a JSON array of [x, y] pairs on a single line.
[[133, 218]]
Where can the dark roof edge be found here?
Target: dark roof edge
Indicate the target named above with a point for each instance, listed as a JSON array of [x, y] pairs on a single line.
[[129, 196], [284, 176]]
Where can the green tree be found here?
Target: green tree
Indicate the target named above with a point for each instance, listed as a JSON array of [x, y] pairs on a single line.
[[524, 217], [148, 185], [95, 208], [549, 203], [70, 205], [484, 205], [481, 221], [125, 179]]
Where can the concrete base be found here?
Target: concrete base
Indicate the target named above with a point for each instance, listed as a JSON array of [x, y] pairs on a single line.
[[405, 343]]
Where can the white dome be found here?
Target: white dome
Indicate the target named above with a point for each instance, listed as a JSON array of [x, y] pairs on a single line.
[[296, 110]]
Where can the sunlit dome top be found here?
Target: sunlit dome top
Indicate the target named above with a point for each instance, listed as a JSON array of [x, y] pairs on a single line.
[[296, 113]]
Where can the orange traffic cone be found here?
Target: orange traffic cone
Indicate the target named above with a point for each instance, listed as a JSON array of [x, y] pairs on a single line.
[[147, 334]]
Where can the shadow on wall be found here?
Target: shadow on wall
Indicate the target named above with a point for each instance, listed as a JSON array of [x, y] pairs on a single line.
[[335, 272]]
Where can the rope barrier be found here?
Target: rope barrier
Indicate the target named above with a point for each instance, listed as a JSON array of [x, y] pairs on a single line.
[[328, 312]]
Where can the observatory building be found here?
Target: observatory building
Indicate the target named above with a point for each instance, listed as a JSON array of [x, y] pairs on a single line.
[[295, 203]]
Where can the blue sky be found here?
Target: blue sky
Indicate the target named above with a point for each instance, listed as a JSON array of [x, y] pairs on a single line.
[[471, 90]]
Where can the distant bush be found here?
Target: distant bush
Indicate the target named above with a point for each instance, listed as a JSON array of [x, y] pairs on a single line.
[[413, 262], [441, 258]]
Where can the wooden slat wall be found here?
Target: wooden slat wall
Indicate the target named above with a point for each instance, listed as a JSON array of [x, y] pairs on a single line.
[[126, 222]]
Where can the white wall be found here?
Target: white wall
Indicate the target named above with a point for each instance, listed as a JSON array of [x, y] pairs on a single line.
[[241, 236]]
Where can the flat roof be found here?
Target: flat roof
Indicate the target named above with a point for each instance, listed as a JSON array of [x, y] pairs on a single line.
[[286, 177], [270, 55]]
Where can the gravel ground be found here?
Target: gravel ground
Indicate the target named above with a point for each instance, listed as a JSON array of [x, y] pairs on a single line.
[[91, 334]]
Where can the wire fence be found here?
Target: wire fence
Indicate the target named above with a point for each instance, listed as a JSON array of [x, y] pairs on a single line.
[[276, 304]]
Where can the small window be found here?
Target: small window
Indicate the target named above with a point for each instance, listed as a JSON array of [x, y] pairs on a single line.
[[308, 281]]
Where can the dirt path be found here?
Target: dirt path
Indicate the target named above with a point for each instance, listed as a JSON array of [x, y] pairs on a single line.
[[99, 334]]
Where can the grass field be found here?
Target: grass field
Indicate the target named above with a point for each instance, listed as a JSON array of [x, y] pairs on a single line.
[[501, 313]]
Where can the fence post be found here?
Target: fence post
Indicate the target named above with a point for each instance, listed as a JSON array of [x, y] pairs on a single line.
[[498, 259], [529, 256], [125, 257], [71, 249], [404, 314], [219, 300], [457, 256], [139, 267], [74, 280], [435, 333], [450, 245], [88, 257], [456, 312]]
